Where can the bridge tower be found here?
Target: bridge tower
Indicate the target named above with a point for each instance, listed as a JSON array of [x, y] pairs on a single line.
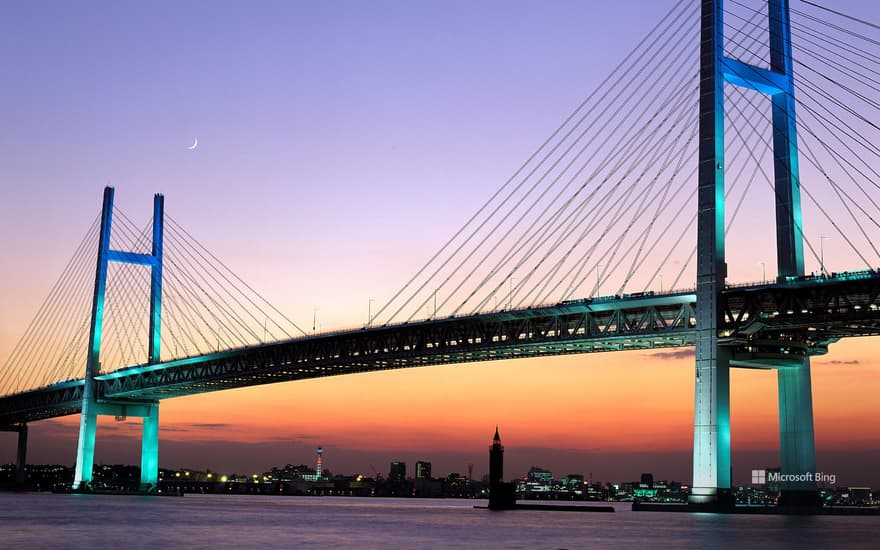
[[93, 404], [717, 352]]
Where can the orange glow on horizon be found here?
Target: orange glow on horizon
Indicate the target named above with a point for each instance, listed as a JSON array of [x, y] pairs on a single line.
[[598, 404], [621, 401]]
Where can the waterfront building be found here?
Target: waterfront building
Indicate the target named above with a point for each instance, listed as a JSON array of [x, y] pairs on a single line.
[[538, 483], [502, 496], [397, 471], [423, 470]]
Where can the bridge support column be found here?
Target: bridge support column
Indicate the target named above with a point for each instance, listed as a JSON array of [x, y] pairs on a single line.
[[711, 484], [150, 449], [712, 475], [93, 404], [796, 441], [21, 458], [85, 450]]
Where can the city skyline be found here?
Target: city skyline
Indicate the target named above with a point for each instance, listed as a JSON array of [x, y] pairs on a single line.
[[325, 133]]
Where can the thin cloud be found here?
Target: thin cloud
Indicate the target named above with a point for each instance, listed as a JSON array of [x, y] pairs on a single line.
[[211, 425], [684, 353], [296, 438]]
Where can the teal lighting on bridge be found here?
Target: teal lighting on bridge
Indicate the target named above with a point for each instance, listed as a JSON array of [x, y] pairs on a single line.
[[778, 324], [711, 464], [91, 407], [156, 280]]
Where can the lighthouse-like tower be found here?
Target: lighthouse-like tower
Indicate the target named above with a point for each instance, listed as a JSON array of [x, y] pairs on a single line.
[[502, 496], [496, 462]]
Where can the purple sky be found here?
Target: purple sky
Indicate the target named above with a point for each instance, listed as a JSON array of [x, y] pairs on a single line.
[[335, 138], [314, 119]]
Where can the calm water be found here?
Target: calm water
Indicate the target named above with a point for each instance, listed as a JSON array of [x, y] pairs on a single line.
[[223, 521]]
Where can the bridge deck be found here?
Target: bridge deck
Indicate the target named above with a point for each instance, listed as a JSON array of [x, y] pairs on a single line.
[[756, 315]]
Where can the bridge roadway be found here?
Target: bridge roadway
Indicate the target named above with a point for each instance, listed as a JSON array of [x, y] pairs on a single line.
[[781, 320]]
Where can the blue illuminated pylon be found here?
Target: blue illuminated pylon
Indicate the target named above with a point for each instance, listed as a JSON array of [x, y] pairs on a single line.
[[712, 466], [92, 404]]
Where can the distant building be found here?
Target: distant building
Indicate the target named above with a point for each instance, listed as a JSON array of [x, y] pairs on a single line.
[[424, 485], [573, 480], [573, 485], [319, 462], [290, 472], [538, 483], [423, 470], [773, 484], [502, 496], [397, 471], [860, 496], [645, 487]]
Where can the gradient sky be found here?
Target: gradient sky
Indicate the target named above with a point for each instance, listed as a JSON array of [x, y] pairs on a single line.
[[338, 143]]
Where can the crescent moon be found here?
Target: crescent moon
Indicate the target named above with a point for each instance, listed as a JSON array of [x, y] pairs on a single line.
[[194, 145]]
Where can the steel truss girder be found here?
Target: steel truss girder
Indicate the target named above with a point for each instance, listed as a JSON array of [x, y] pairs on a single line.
[[807, 313], [814, 312], [55, 400], [557, 330]]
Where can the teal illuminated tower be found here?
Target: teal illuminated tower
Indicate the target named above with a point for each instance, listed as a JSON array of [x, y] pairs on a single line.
[[92, 403], [717, 352]]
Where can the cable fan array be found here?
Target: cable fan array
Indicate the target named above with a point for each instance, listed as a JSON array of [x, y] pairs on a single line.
[[604, 207], [837, 79], [205, 308], [607, 204]]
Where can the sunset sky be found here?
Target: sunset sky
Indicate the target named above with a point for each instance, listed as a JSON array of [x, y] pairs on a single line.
[[340, 144]]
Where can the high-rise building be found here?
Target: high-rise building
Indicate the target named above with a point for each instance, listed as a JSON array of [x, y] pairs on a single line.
[[397, 472], [773, 485], [319, 463], [423, 470]]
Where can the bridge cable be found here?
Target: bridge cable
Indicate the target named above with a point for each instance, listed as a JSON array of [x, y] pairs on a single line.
[[835, 12], [632, 147], [40, 350], [229, 318], [551, 203], [658, 151], [838, 191], [232, 311], [205, 252], [515, 224], [537, 237], [815, 202], [608, 79], [728, 192], [15, 371], [123, 287]]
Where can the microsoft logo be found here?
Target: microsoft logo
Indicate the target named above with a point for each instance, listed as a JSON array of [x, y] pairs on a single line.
[[759, 477]]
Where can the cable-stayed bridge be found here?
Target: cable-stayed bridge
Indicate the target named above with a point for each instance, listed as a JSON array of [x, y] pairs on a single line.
[[611, 200]]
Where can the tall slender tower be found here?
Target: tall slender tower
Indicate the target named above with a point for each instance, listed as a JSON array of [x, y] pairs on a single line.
[[716, 353], [319, 463], [502, 496], [496, 463]]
